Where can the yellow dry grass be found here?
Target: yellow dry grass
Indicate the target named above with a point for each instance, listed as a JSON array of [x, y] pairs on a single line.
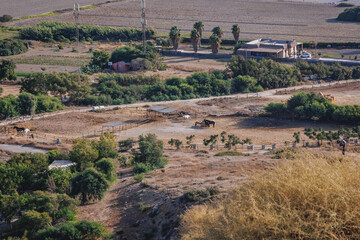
[[308, 197]]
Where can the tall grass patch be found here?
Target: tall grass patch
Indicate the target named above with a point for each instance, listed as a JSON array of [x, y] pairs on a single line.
[[309, 197]]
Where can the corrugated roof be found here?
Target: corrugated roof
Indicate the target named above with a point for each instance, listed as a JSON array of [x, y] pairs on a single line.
[[162, 109], [266, 50], [114, 124], [157, 108], [61, 164], [167, 110]]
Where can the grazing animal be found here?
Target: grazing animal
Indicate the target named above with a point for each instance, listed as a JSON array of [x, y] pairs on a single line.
[[200, 123], [186, 117], [209, 122], [26, 131], [19, 129]]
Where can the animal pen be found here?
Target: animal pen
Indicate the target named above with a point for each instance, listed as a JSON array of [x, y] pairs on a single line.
[[158, 111]]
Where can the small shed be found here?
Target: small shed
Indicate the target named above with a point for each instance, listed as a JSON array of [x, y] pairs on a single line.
[[158, 110], [120, 125], [63, 164], [121, 66]]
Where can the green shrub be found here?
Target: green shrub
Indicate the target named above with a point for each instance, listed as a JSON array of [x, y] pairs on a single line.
[[139, 177], [106, 167], [201, 195], [141, 168], [12, 47], [312, 106], [150, 152], [6, 18], [73, 230], [350, 14]]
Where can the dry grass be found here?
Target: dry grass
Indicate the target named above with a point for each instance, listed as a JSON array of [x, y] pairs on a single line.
[[309, 197]]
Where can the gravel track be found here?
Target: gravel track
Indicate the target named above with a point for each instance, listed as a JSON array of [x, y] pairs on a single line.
[[268, 93]]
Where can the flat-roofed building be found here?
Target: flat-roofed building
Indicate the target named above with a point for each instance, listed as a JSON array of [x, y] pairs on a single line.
[[268, 48]]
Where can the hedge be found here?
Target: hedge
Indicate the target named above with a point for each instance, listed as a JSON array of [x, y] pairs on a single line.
[[64, 32]]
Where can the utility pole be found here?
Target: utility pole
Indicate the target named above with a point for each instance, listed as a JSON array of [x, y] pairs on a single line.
[[76, 15], [143, 21]]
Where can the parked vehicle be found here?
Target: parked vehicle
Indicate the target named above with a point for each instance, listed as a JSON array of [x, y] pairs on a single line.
[[305, 55]]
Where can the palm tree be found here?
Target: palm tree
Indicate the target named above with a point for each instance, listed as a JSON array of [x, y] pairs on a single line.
[[199, 26], [215, 42], [175, 37], [236, 32], [195, 38], [217, 31]]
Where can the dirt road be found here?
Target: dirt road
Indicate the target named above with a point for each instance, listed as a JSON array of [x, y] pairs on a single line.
[[268, 93]]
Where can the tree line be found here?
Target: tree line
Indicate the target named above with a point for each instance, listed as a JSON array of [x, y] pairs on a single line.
[[66, 32], [44, 201]]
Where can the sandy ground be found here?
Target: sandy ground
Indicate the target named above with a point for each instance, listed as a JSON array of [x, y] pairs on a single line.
[[282, 20], [187, 169]]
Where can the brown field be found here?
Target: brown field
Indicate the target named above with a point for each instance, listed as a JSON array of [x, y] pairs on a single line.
[[281, 20]]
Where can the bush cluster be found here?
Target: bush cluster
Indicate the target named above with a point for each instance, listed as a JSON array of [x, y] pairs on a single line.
[[350, 14], [269, 74], [200, 84], [12, 47], [149, 156], [73, 85], [201, 195], [28, 104], [66, 32], [312, 106], [332, 72], [6, 18], [25, 178]]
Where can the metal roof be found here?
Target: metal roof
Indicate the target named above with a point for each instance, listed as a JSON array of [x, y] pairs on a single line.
[[162, 109], [157, 108], [61, 164], [167, 110], [114, 124]]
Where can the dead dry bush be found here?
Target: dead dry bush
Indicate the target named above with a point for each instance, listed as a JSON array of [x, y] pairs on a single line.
[[307, 197]]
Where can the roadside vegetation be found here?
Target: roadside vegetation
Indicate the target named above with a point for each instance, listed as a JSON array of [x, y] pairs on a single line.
[[314, 107], [301, 198], [64, 32], [39, 203]]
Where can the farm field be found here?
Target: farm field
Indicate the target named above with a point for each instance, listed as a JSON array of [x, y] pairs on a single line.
[[302, 21]]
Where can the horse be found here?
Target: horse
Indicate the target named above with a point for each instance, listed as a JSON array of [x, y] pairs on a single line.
[[199, 123], [26, 131], [19, 129], [209, 122]]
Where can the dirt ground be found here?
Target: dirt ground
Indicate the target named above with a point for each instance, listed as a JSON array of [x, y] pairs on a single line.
[[187, 169], [283, 20]]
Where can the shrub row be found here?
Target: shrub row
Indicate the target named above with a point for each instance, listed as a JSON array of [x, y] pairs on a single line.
[[64, 32], [312, 106], [28, 104]]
